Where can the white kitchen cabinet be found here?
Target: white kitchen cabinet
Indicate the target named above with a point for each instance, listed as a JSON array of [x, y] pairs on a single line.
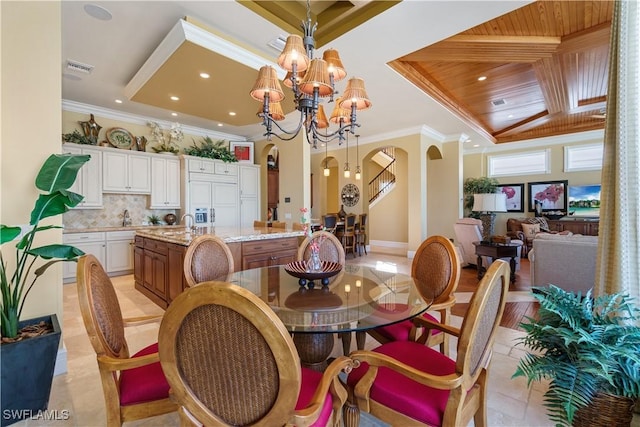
[[249, 180], [89, 180], [224, 168], [120, 246], [124, 172], [201, 165], [89, 243], [165, 183]]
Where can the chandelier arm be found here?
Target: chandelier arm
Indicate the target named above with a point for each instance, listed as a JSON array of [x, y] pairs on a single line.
[[293, 133]]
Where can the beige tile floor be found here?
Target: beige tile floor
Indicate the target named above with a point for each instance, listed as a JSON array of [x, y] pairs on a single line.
[[79, 391]]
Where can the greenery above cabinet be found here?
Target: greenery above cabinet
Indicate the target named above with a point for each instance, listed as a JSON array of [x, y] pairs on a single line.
[[218, 150]]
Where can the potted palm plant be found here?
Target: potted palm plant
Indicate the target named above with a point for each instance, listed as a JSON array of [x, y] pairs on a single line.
[[26, 372], [589, 347]]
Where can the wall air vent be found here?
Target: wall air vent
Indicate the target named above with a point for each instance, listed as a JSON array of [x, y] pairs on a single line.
[[498, 102], [278, 43], [79, 66]]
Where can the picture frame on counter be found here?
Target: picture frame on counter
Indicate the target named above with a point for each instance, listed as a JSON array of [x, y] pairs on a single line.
[[243, 150]]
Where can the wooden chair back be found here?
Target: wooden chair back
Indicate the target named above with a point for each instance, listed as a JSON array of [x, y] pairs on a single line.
[[278, 224], [436, 268], [105, 326], [259, 224], [230, 360], [329, 222], [298, 226], [330, 248], [207, 258]]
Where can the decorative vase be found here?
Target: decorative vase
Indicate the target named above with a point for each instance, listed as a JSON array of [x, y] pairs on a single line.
[[342, 214], [313, 263]]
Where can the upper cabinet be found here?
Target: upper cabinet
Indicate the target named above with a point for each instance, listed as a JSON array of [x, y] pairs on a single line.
[[125, 172], [165, 183], [89, 180]]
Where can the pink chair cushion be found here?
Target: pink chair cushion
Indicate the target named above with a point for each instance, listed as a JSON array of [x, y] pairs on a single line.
[[143, 384], [408, 397], [400, 331], [310, 381]]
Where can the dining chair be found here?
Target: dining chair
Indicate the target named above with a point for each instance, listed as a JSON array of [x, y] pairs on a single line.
[[330, 247], [436, 270], [329, 222], [406, 383], [278, 224], [348, 235], [208, 257], [259, 224], [361, 234], [134, 387], [230, 361], [297, 226]]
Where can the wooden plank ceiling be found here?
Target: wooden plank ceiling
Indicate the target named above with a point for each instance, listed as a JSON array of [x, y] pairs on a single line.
[[546, 66]]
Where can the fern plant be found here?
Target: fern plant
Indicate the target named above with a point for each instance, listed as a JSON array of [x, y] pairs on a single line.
[[211, 150], [584, 345]]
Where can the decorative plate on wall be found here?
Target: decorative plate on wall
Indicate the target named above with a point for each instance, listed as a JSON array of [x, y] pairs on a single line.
[[350, 195], [120, 138]]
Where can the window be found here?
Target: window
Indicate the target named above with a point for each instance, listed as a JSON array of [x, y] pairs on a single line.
[[527, 163], [583, 157]]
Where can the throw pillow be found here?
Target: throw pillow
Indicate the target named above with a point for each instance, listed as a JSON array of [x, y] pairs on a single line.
[[530, 230]]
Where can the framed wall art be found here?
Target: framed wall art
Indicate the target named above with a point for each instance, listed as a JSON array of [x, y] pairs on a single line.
[[550, 195], [515, 196], [584, 200], [243, 151]]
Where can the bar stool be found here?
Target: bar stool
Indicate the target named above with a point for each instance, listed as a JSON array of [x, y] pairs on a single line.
[[361, 234]]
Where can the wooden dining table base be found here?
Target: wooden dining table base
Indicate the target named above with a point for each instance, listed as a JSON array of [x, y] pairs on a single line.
[[314, 349]]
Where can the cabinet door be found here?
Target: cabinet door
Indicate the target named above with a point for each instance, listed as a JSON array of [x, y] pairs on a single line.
[[95, 248], [173, 184], [227, 169], [115, 177], [249, 181], [139, 174], [91, 173], [119, 256], [138, 263], [272, 188], [200, 195], [175, 275], [225, 202], [248, 211]]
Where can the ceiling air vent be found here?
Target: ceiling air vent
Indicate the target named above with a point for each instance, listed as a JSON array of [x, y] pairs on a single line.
[[278, 43], [79, 66], [499, 102]]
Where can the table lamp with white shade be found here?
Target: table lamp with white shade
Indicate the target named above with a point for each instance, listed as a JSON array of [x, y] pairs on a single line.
[[487, 205]]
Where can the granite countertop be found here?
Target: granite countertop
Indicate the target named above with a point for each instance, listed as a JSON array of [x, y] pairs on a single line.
[[182, 236], [119, 228]]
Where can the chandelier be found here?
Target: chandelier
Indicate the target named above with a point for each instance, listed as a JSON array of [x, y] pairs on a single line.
[[310, 79]]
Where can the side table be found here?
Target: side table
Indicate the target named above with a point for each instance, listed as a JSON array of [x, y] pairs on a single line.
[[495, 251]]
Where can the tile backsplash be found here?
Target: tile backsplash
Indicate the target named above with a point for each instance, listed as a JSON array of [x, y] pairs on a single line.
[[111, 215]]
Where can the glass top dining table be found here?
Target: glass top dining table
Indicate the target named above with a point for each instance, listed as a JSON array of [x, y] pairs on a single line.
[[356, 299]]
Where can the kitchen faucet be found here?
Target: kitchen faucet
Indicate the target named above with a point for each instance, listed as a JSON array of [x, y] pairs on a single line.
[[193, 220], [126, 219]]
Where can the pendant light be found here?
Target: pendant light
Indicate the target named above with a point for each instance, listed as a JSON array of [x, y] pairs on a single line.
[[347, 171], [358, 173], [326, 171]]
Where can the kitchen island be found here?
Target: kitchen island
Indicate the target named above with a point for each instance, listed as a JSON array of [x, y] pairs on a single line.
[[159, 254]]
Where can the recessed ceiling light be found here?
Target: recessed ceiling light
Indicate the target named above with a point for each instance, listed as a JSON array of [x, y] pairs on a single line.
[[118, 101], [174, 114], [175, 98], [220, 125], [97, 12], [510, 116], [232, 113], [204, 75], [482, 78], [476, 145]]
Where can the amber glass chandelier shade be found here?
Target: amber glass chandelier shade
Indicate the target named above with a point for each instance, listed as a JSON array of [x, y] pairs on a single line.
[[287, 80], [340, 113], [321, 118], [317, 76], [334, 64], [355, 93], [267, 82], [293, 52], [275, 111]]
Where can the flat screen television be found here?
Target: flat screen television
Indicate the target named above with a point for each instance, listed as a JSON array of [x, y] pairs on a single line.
[[584, 200]]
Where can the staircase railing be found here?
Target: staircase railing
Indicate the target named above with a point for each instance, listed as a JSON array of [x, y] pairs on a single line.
[[384, 180]]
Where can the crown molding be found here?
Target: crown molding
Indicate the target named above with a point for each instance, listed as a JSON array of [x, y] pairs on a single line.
[[572, 138], [78, 107]]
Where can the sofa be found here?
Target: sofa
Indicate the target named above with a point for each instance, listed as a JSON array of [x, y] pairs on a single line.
[[567, 261]]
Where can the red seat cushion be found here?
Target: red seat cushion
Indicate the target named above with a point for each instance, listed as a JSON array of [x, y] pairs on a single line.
[[408, 397], [143, 384], [400, 331], [310, 381]]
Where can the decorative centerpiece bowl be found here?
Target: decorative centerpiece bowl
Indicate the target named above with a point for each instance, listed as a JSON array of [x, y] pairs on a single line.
[[299, 269]]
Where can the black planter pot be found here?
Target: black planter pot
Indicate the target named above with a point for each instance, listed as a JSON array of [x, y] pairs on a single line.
[[27, 372]]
